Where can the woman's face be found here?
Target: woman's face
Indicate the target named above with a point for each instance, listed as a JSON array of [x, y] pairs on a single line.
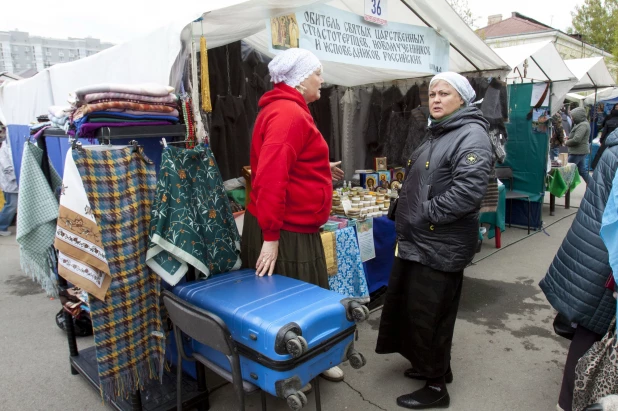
[[312, 86], [443, 100]]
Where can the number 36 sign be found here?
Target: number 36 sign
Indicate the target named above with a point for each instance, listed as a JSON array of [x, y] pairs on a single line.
[[375, 11]]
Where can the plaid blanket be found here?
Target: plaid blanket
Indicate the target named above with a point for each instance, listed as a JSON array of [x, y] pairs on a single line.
[[37, 211], [120, 186], [192, 221]]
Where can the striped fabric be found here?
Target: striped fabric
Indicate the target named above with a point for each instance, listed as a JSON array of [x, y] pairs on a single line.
[[120, 186]]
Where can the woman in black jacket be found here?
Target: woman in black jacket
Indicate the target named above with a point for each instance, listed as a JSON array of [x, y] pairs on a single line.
[[437, 232]]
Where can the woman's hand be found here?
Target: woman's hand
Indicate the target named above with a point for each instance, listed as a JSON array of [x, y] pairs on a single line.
[[336, 172], [268, 258]]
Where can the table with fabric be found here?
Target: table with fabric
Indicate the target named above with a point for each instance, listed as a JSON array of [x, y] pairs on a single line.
[[496, 218], [560, 182], [378, 269]]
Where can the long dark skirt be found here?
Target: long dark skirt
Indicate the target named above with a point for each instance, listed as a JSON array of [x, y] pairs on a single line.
[[301, 256], [418, 318]]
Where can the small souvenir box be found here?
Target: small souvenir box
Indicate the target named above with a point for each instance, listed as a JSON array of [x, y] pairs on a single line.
[[369, 180], [398, 174], [380, 163], [330, 226], [384, 179]]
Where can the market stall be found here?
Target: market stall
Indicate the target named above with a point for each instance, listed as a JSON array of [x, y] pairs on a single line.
[[538, 84], [593, 75], [177, 62]]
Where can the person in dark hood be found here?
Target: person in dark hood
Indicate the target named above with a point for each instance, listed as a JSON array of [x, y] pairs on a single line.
[[609, 125], [437, 220], [578, 142]]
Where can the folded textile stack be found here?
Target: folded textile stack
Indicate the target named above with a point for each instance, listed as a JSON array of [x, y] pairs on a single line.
[[60, 116], [122, 105], [36, 129]]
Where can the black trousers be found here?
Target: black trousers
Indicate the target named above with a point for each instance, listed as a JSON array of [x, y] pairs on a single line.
[[418, 318], [580, 344]]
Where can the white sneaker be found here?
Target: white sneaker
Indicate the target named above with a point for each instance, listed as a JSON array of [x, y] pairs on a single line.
[[5, 233], [334, 374]]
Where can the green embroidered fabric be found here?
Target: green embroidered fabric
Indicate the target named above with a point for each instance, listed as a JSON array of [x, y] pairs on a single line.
[[192, 221]]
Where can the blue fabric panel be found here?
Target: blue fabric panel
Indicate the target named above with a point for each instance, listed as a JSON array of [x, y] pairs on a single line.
[[378, 270], [18, 134], [520, 213]]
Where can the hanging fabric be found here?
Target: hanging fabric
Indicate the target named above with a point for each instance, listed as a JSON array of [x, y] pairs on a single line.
[[230, 139], [205, 81], [192, 222], [130, 345], [37, 211], [350, 279], [81, 257], [200, 130], [329, 242]]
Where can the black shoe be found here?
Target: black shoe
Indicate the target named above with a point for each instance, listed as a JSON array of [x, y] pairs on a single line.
[[431, 396], [410, 373]]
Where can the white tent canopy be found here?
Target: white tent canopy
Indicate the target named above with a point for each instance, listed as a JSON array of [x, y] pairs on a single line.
[[151, 58], [539, 62], [610, 93], [592, 73]]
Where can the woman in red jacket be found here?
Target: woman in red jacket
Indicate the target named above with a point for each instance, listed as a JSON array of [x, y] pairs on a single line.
[[291, 177]]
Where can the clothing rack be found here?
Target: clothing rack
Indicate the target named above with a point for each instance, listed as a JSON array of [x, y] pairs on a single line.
[[156, 396]]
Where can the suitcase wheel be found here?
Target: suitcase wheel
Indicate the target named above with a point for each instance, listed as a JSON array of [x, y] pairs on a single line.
[[303, 343], [357, 360], [295, 402], [303, 398], [366, 310], [359, 314], [295, 347]]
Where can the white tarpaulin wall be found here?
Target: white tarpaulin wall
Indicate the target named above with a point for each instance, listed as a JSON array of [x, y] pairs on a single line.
[[539, 62], [592, 73], [150, 58]]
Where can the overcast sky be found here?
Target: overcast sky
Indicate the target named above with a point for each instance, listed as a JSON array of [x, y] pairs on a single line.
[[117, 21], [556, 13]]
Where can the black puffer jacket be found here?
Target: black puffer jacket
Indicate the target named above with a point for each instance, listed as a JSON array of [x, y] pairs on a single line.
[[575, 282], [438, 226]]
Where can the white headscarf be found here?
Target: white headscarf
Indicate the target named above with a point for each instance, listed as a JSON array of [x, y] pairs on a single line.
[[293, 66], [459, 83]]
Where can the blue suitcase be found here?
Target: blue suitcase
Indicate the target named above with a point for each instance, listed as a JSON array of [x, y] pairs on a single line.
[[287, 331]]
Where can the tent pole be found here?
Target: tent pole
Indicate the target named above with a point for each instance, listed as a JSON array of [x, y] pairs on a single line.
[[542, 71], [430, 26]]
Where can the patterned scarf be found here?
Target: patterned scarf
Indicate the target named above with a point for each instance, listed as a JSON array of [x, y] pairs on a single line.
[[130, 346], [192, 221], [37, 211], [350, 279]]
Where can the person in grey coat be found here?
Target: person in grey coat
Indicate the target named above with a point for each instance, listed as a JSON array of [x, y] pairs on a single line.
[[579, 141], [575, 282], [437, 221]]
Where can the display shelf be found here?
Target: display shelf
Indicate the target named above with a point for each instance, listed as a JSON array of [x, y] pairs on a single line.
[[154, 397]]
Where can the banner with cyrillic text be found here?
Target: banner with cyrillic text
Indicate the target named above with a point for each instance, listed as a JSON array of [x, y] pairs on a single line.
[[344, 37]]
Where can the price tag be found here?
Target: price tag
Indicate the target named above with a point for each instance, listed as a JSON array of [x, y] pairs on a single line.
[[375, 11]]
